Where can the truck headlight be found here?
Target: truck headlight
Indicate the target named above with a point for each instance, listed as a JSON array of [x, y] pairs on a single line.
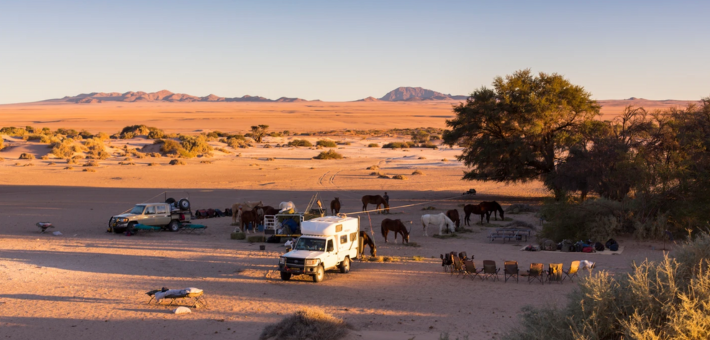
[[311, 262], [123, 220], [282, 260]]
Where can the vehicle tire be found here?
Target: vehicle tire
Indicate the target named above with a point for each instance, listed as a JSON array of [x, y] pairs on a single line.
[[285, 276], [184, 204], [110, 228], [345, 266], [174, 226], [170, 200], [320, 274], [123, 230]]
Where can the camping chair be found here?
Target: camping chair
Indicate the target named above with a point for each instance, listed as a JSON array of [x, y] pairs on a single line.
[[462, 256], [470, 269], [510, 269], [572, 272], [457, 267], [446, 262], [490, 270], [554, 273], [179, 296], [536, 272]]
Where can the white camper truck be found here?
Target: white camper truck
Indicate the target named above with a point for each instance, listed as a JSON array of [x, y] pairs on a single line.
[[326, 243]]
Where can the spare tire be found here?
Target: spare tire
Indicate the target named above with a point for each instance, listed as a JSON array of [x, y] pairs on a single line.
[[170, 200], [184, 204]]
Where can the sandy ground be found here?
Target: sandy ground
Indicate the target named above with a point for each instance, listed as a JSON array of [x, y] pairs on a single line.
[[88, 284]]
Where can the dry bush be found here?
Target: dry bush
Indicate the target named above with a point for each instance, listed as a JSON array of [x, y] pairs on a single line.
[[400, 177], [126, 163], [300, 142], [153, 164], [65, 148], [418, 258], [418, 173], [69, 168], [656, 300], [376, 259], [138, 155], [326, 143], [95, 149], [379, 175], [223, 150], [444, 160], [519, 208], [25, 155], [50, 163], [307, 324], [77, 157], [422, 157], [270, 159], [205, 162], [29, 164], [128, 159], [398, 145], [374, 167], [373, 145], [2, 159], [267, 146], [45, 157], [176, 162], [89, 170], [330, 154], [91, 163], [155, 155], [71, 161]]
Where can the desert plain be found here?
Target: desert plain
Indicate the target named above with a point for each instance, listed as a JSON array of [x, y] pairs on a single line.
[[89, 284]]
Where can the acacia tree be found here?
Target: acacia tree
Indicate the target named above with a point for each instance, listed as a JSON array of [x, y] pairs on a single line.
[[518, 130], [258, 132]]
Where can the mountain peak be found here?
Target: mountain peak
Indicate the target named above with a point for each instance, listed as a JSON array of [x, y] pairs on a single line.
[[406, 93]]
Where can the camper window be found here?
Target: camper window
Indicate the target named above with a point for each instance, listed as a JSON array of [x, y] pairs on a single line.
[[353, 236], [330, 246], [343, 239], [309, 244]]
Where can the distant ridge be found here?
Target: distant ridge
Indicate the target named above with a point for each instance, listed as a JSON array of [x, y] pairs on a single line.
[[401, 94], [164, 95]]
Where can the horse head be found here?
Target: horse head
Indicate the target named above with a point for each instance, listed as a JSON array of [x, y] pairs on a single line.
[[405, 232], [373, 251], [337, 199]]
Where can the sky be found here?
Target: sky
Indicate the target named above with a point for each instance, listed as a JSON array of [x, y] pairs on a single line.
[[347, 50]]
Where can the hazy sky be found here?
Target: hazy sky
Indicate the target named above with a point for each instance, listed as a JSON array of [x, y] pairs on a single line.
[[338, 50]]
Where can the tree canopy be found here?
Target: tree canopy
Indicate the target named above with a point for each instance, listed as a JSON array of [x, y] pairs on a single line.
[[517, 130]]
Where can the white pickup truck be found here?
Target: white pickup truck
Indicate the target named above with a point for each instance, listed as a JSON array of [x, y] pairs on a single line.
[[326, 243]]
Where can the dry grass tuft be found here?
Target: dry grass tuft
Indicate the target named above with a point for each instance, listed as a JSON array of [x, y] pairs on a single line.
[[29, 164], [25, 155], [422, 157], [373, 145], [45, 157], [400, 177], [91, 163], [50, 163], [418, 258], [418, 173], [69, 168], [176, 162], [379, 175], [205, 162], [376, 259], [412, 244], [89, 170], [256, 238], [153, 164], [307, 324], [330, 154], [374, 167], [126, 163]]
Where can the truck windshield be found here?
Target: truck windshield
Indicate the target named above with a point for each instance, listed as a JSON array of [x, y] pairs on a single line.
[[310, 244], [137, 210]]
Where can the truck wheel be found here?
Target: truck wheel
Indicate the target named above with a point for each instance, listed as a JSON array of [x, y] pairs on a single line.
[[128, 228], [110, 228], [320, 273], [285, 276], [345, 266], [174, 225], [184, 204]]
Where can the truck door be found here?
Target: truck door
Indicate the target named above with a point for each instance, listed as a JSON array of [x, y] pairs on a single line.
[[331, 255], [162, 214], [149, 216]]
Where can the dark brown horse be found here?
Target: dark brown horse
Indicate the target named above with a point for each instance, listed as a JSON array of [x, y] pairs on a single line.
[[367, 240], [454, 216], [250, 216], [493, 207], [374, 199], [335, 206], [475, 209], [395, 226]]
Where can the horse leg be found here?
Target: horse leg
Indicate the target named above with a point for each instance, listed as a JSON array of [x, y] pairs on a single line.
[[364, 207], [424, 224], [384, 233]]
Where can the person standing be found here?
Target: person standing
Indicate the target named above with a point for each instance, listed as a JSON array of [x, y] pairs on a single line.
[[387, 198]]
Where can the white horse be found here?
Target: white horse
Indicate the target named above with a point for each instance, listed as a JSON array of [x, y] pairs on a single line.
[[440, 220], [284, 206]]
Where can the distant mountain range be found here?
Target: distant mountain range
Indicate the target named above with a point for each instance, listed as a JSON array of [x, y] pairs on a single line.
[[396, 95], [164, 95]]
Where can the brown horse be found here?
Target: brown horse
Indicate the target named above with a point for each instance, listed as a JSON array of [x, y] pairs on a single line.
[[475, 209], [454, 216], [335, 206], [367, 240], [493, 207], [397, 227], [374, 199], [250, 216]]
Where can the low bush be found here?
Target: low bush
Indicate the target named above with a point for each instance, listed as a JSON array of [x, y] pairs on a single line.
[[91, 163], [422, 157], [400, 177], [256, 238], [176, 162], [308, 323], [65, 149], [89, 170], [300, 142], [45, 157], [412, 244], [418, 173], [398, 145], [126, 163], [326, 143], [25, 155], [205, 162], [373, 145], [418, 258], [595, 219], [28, 164], [656, 300], [379, 175], [330, 154], [238, 236], [68, 168], [519, 208], [374, 167], [153, 164], [376, 259]]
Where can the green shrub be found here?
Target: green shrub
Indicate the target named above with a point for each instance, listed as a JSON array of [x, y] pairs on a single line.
[[256, 238], [13, 131], [308, 323], [25, 155], [656, 300], [238, 236], [373, 145], [65, 148], [326, 143], [168, 146], [156, 134], [598, 219], [330, 154], [398, 145], [300, 142]]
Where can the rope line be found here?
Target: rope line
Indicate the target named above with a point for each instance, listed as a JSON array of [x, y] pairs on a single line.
[[401, 206]]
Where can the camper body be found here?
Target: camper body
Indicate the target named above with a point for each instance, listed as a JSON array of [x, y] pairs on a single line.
[[326, 243]]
